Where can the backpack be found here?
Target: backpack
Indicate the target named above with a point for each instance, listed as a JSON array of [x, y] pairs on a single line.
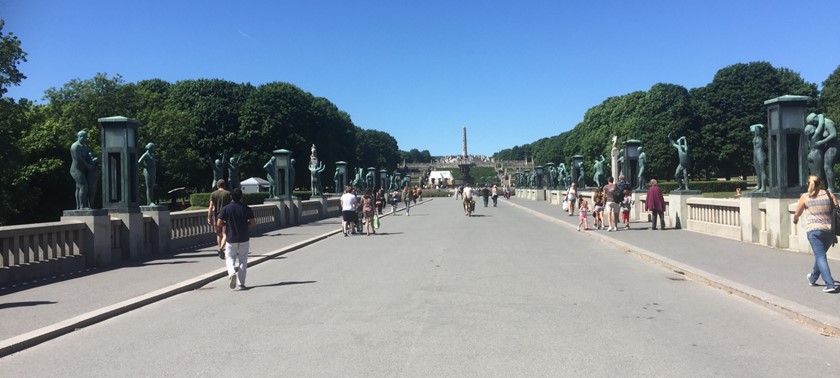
[[617, 194]]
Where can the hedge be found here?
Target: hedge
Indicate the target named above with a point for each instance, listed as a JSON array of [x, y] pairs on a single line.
[[203, 199]]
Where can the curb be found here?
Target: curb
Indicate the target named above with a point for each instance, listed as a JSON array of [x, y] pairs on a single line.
[[825, 324]]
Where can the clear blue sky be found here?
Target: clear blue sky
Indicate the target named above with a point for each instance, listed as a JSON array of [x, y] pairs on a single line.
[[511, 72]]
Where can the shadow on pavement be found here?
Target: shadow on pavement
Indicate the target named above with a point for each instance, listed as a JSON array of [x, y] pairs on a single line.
[[25, 304], [282, 284]]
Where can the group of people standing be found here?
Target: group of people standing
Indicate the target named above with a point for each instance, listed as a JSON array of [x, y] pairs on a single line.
[[611, 205]]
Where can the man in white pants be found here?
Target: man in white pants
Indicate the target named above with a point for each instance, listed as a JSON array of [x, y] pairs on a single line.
[[237, 216]]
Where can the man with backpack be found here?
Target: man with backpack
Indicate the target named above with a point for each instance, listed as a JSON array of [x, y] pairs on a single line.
[[614, 196]]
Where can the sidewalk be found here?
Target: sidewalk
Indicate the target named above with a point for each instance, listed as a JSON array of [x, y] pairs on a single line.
[[33, 313], [773, 278]]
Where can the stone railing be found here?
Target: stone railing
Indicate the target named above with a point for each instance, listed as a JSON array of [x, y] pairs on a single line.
[[720, 217], [752, 218], [41, 250]]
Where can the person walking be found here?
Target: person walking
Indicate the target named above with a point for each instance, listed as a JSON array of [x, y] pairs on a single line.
[[380, 200], [468, 199], [583, 211], [348, 210], [495, 195], [655, 203], [367, 212], [218, 199], [626, 204], [236, 217], [598, 208], [395, 200], [485, 195], [613, 197], [407, 197], [820, 205], [571, 196]]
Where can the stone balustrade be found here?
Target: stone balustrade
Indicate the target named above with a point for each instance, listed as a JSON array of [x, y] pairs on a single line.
[[752, 218], [42, 250]]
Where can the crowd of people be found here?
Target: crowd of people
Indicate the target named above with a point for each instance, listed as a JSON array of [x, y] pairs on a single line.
[[611, 205]]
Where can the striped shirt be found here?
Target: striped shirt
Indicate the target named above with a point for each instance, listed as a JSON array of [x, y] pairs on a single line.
[[820, 208]]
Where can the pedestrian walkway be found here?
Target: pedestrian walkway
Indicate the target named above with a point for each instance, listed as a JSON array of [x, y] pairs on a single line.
[[770, 277]]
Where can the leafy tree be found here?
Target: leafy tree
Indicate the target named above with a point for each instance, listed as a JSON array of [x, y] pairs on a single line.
[[376, 149], [726, 108], [830, 95], [11, 55]]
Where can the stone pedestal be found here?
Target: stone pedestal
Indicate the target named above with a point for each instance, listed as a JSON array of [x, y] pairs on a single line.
[[161, 228], [539, 194], [280, 214], [97, 237], [131, 233], [322, 212], [779, 222], [751, 220], [678, 206], [638, 207]]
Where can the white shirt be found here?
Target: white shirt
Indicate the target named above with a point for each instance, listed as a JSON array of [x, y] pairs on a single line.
[[468, 192], [348, 202]]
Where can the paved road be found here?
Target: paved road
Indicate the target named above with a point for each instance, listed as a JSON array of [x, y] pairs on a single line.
[[504, 293]]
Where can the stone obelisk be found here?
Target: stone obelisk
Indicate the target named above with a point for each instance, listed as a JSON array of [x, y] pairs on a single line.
[[465, 164], [465, 142]]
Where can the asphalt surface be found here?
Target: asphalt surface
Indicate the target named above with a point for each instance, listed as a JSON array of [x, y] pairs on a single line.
[[773, 279]]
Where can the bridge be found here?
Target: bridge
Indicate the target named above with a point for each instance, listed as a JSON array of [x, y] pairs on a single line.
[[512, 291]]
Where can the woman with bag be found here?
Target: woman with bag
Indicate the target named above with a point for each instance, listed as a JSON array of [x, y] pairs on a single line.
[[367, 211], [820, 205]]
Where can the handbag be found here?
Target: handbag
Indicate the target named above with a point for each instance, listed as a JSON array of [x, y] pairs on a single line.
[[835, 215], [566, 204], [375, 221]]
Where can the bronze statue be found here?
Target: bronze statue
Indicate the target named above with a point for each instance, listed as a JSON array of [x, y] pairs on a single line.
[[218, 168], [641, 164], [822, 135], [233, 171], [147, 162], [315, 169], [684, 161], [599, 175], [759, 158], [83, 170], [271, 176]]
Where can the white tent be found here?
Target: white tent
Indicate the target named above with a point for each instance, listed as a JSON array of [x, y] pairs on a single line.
[[254, 185], [440, 176]]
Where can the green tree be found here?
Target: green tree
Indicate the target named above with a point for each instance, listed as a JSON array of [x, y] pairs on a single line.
[[376, 149], [726, 108], [830, 95], [11, 55]]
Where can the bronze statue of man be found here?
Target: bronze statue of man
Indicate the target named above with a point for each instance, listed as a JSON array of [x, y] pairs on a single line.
[[83, 170], [684, 161]]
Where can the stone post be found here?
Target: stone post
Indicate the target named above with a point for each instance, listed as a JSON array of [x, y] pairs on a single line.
[[161, 230], [678, 207], [97, 236]]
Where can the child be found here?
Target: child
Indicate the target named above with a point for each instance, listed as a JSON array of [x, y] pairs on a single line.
[[598, 208], [625, 209], [583, 210]]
